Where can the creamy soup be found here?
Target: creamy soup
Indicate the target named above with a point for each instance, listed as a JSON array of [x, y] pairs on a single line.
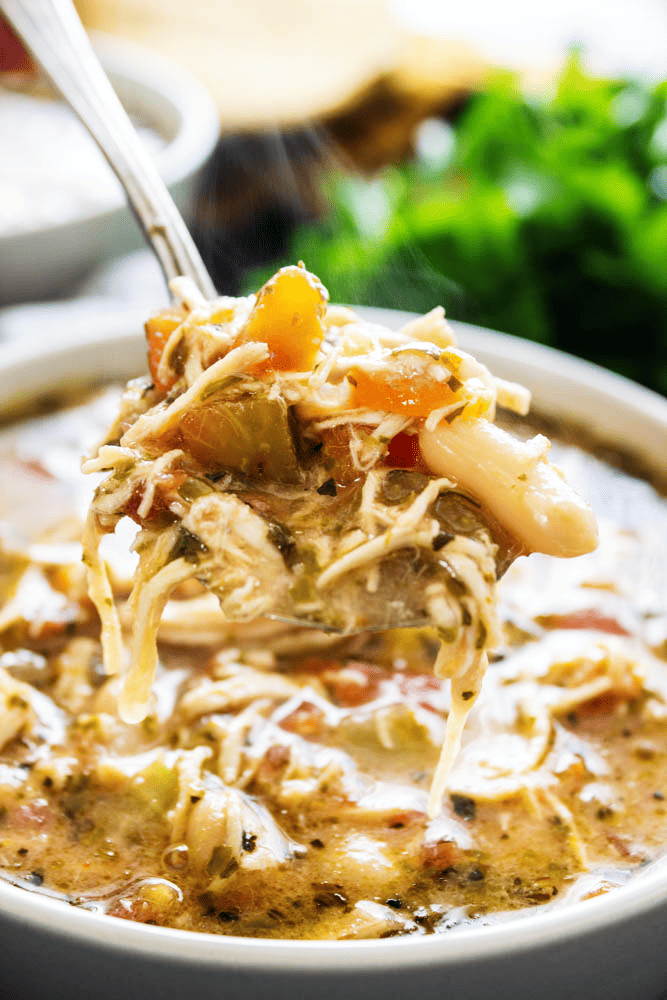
[[278, 786]]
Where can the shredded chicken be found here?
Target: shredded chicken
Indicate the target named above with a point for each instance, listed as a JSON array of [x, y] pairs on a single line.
[[304, 464]]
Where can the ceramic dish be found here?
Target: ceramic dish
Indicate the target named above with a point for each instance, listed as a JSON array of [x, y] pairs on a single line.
[[162, 98], [606, 948]]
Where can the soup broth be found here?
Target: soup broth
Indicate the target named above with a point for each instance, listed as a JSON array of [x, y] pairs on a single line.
[[278, 786]]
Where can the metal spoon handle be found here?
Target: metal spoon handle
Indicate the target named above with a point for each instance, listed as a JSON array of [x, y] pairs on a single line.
[[51, 29]]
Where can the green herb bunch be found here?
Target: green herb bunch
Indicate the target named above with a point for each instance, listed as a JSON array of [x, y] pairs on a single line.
[[542, 217]]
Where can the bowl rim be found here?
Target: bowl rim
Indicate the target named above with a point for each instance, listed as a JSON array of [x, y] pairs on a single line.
[[23, 367]]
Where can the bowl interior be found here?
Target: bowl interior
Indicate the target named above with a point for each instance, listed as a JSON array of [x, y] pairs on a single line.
[[614, 410]]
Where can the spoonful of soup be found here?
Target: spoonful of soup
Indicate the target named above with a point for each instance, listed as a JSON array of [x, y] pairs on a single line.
[[307, 465]]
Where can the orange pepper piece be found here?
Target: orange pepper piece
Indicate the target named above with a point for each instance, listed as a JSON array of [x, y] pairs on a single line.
[[287, 317], [412, 393]]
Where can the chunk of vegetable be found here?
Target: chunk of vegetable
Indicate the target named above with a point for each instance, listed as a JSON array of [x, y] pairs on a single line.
[[403, 451], [414, 393], [287, 316], [249, 435], [159, 328]]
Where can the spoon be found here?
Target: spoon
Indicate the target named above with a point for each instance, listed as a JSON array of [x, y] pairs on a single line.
[[52, 31]]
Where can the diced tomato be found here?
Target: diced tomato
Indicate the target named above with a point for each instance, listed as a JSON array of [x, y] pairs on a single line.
[[273, 763], [406, 818], [165, 486], [425, 689], [133, 908], [604, 704], [287, 316], [277, 757], [306, 720], [14, 58], [355, 683], [403, 451], [34, 814], [315, 665], [591, 618], [440, 855], [159, 328]]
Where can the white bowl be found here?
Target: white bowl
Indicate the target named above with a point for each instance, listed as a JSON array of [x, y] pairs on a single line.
[[44, 263], [607, 948]]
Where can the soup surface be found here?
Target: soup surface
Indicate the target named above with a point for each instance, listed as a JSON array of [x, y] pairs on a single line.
[[278, 786]]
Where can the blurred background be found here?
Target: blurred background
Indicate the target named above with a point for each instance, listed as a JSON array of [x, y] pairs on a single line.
[[508, 161]]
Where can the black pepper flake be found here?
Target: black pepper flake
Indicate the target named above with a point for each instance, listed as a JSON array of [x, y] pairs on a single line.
[[316, 842], [463, 806], [329, 894], [395, 904], [453, 414], [187, 546], [36, 878], [397, 825], [195, 798], [572, 718], [328, 488], [476, 875], [283, 541], [518, 880], [467, 695], [659, 796], [48, 782], [249, 842], [604, 812], [326, 899], [228, 916], [275, 914], [440, 540], [22, 851]]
